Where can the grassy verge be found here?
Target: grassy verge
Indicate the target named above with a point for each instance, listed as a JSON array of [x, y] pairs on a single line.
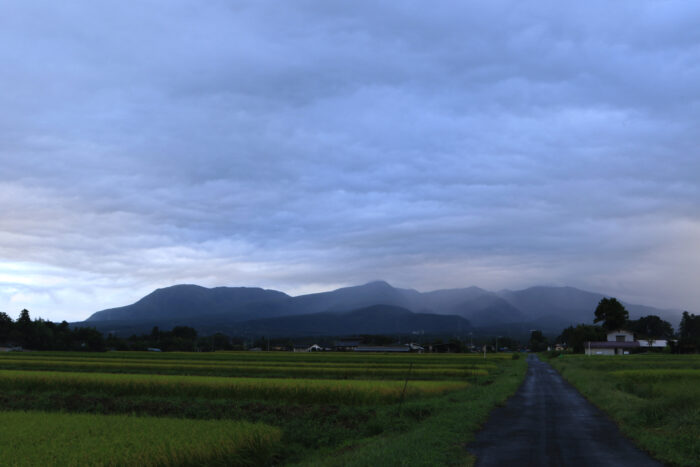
[[655, 399], [53, 439], [440, 439]]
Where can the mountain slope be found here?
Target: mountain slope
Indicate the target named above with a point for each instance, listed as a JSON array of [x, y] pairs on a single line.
[[377, 319], [224, 308], [184, 301]]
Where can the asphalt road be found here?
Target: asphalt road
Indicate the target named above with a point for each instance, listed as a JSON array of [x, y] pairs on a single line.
[[549, 423]]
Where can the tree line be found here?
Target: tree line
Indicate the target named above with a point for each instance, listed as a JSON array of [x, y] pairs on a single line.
[[613, 316], [39, 334]]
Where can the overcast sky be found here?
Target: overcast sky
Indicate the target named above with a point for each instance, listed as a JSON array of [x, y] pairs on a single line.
[[307, 145]]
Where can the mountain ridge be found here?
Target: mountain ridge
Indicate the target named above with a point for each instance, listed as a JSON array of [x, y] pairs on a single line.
[[538, 307]]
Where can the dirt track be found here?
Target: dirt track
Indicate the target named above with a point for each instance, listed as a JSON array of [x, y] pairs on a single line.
[[548, 423]]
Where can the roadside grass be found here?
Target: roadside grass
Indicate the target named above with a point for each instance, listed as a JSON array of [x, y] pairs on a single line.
[[55, 439], [655, 399]]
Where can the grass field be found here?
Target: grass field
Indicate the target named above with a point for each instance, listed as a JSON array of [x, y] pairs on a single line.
[[654, 398], [276, 408]]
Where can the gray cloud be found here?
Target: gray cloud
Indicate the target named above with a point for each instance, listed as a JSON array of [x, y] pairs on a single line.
[[306, 145]]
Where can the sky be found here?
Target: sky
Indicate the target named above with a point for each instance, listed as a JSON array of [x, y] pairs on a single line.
[[308, 145]]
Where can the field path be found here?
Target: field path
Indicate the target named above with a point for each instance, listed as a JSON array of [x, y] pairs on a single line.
[[549, 423]]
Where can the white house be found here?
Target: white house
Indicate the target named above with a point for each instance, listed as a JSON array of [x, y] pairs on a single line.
[[618, 343]]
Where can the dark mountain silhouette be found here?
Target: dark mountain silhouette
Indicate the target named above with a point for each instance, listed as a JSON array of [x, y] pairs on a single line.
[[185, 301], [224, 309], [377, 319]]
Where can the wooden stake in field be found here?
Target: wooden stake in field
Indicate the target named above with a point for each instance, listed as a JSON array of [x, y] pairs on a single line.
[[403, 393]]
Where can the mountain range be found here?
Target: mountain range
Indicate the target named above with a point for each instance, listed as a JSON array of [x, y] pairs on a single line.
[[372, 308]]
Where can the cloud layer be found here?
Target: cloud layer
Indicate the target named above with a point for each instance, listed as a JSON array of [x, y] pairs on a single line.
[[306, 145]]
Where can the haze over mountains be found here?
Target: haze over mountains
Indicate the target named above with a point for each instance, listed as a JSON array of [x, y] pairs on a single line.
[[372, 308]]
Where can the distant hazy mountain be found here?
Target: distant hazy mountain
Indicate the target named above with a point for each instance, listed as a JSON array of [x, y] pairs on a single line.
[[225, 309]]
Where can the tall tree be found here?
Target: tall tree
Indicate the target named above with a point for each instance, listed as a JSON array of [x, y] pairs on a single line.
[[689, 331], [538, 343], [611, 313], [651, 327], [5, 326], [24, 321], [576, 337]]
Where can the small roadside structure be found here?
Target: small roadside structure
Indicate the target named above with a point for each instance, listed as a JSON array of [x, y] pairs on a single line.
[[618, 342]]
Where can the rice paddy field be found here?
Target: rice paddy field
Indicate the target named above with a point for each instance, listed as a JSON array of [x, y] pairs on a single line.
[[247, 408], [654, 398]]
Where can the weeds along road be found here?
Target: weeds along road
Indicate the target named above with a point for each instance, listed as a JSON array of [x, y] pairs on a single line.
[[548, 423]]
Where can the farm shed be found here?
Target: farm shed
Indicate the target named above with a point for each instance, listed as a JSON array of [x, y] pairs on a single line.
[[610, 347], [620, 336], [618, 342], [653, 343]]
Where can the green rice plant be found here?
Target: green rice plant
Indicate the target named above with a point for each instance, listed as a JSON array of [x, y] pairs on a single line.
[[58, 439], [278, 369], [296, 390], [317, 357]]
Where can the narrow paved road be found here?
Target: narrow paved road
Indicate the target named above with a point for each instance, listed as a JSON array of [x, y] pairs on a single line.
[[548, 423]]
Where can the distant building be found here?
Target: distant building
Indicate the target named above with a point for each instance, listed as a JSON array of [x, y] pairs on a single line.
[[618, 342], [382, 348], [390, 348], [653, 343], [346, 346], [308, 348]]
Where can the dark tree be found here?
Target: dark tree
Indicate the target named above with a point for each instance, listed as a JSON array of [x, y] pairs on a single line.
[[538, 343], [651, 327], [575, 337], [611, 313], [689, 331], [5, 326], [24, 321]]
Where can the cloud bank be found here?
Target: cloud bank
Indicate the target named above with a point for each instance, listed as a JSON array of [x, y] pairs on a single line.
[[307, 145]]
